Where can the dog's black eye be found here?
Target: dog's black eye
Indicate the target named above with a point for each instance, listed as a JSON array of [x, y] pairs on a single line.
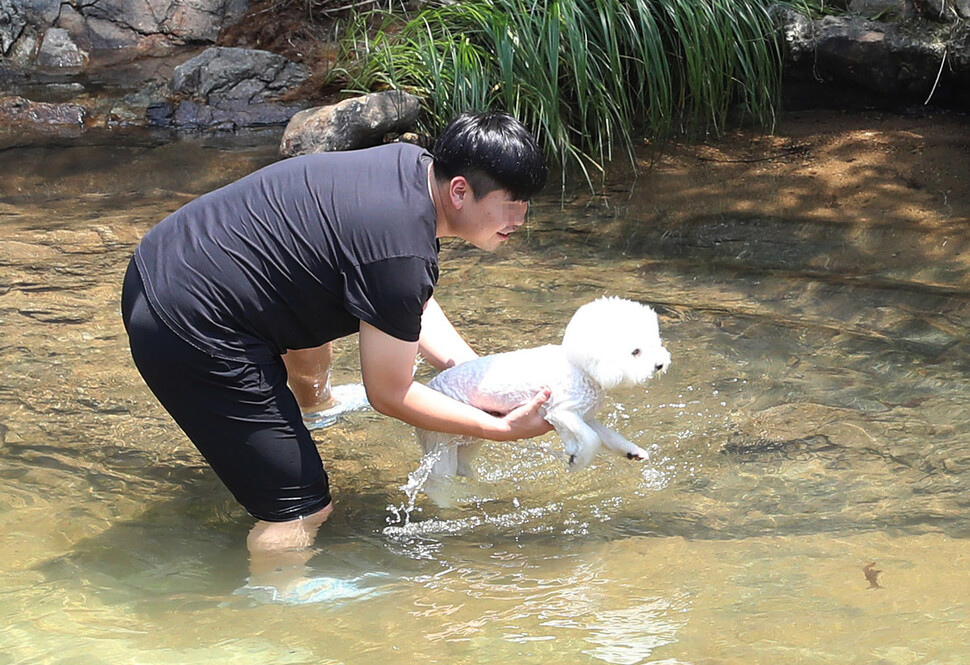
[[636, 352]]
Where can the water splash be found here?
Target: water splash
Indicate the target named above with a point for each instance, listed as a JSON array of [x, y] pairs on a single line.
[[400, 518]]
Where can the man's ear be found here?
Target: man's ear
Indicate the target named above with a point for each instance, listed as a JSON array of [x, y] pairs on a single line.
[[459, 190]]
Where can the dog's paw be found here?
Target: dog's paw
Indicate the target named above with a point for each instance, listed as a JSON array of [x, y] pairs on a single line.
[[637, 453], [579, 461]]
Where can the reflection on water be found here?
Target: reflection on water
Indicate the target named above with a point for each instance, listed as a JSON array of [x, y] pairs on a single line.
[[813, 421]]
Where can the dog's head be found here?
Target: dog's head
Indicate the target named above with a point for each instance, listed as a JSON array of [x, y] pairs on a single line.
[[616, 342]]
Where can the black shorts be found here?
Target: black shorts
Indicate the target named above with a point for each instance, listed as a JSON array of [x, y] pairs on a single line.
[[240, 415]]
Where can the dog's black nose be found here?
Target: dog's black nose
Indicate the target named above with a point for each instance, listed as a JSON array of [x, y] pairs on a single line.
[[659, 367]]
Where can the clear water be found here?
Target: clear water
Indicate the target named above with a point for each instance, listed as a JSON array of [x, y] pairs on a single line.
[[814, 420]]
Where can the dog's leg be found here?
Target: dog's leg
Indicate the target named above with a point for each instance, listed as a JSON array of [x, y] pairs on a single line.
[[465, 454], [444, 450], [618, 442], [453, 454], [580, 440]]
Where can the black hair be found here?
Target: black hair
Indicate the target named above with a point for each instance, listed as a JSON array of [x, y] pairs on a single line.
[[492, 151]]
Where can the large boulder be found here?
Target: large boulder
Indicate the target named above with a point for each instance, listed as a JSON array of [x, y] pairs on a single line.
[[354, 123], [127, 23], [226, 72], [231, 87]]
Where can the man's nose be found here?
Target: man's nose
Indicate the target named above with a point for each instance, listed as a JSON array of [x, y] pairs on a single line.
[[515, 213]]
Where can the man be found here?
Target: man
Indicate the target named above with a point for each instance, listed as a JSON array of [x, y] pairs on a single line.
[[231, 302]]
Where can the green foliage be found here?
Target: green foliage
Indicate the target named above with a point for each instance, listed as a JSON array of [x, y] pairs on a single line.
[[587, 76]]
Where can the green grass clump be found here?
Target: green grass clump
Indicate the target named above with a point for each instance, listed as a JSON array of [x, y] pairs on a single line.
[[587, 76]]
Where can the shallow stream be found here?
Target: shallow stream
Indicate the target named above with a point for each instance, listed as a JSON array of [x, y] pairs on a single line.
[[814, 420]]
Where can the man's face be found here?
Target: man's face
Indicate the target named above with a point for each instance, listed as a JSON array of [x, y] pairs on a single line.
[[492, 219]]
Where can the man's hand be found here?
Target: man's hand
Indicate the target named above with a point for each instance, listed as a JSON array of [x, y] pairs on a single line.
[[386, 363], [526, 421]]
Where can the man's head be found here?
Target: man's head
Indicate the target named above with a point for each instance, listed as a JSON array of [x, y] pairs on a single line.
[[491, 151], [486, 168]]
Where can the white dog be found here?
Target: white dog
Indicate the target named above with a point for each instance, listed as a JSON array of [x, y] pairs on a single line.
[[608, 343]]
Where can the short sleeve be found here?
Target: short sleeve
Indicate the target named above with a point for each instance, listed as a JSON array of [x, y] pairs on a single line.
[[391, 294]]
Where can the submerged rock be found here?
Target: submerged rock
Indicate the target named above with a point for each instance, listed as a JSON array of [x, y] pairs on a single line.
[[360, 122]]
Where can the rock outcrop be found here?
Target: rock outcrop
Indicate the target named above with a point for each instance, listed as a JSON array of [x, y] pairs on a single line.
[[33, 33], [230, 88]]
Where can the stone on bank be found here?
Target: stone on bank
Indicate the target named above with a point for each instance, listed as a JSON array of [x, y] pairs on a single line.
[[360, 122]]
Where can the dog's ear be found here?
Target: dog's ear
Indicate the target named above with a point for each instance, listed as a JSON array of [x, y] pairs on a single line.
[[605, 372], [583, 343], [601, 370]]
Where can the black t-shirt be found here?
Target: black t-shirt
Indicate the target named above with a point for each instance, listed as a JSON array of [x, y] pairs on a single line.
[[297, 254]]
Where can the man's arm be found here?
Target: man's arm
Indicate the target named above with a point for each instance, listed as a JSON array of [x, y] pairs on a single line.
[[386, 363], [440, 344]]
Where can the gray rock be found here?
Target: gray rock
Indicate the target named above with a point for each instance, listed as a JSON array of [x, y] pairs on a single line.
[[160, 114], [884, 59], [13, 19], [41, 12], [234, 87], [236, 73], [796, 30], [228, 115], [354, 123], [58, 50], [958, 49]]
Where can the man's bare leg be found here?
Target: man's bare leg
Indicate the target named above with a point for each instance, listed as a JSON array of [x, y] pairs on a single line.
[[279, 551], [270, 537], [308, 375]]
